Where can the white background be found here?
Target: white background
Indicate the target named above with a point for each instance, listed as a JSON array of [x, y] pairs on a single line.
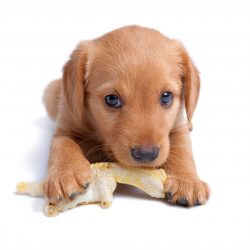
[[36, 38]]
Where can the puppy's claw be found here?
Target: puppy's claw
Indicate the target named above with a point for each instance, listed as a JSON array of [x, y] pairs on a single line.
[[59, 197], [169, 196], [197, 203], [73, 195], [86, 185], [183, 202]]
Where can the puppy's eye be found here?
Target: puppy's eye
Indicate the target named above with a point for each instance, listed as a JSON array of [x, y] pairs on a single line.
[[113, 101], [166, 98]]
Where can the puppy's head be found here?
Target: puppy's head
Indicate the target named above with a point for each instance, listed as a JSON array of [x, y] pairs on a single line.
[[132, 85]]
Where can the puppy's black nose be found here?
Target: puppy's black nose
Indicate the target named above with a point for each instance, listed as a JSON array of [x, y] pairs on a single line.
[[145, 154]]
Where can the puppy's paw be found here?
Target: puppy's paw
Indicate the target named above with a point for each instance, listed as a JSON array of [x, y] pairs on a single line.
[[66, 184], [186, 190]]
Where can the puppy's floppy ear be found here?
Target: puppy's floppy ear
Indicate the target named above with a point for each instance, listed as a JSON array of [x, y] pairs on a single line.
[[191, 84], [74, 73]]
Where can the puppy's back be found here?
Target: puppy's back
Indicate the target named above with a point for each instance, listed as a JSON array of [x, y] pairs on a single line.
[[51, 97]]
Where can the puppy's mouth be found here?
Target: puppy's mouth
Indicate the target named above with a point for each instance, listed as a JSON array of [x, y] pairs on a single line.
[[132, 163]]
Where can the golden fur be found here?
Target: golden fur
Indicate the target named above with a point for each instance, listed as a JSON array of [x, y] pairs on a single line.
[[137, 64]]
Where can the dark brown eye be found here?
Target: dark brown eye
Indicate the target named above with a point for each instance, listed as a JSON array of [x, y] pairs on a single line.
[[166, 98], [113, 101]]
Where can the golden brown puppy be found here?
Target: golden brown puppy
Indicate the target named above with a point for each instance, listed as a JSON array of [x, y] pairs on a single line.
[[127, 96]]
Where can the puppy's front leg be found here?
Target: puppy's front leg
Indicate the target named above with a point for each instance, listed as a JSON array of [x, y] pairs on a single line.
[[68, 169], [183, 186]]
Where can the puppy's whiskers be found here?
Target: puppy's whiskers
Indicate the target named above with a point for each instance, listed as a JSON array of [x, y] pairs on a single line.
[[99, 148], [89, 138]]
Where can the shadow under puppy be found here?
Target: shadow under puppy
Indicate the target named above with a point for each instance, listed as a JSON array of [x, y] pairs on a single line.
[[128, 96]]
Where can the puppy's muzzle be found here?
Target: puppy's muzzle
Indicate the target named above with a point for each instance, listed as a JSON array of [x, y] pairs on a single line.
[[145, 154]]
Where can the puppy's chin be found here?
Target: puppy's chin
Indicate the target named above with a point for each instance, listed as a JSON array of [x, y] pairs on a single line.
[[153, 164]]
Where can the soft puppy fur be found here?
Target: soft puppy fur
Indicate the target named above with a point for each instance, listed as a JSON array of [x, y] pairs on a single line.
[[131, 67]]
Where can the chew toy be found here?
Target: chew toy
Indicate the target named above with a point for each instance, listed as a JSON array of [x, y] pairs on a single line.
[[104, 182]]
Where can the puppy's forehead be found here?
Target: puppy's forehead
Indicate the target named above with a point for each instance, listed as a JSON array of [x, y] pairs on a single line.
[[142, 56]]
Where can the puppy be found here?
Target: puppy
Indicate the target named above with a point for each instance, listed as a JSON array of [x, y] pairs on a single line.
[[128, 96]]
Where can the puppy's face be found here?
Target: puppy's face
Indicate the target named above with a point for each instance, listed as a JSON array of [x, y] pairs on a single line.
[[134, 93]]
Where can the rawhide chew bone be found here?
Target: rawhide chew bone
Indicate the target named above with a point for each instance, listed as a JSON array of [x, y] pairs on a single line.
[[104, 182]]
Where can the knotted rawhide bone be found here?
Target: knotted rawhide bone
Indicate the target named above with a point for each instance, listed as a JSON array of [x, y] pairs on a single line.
[[104, 182]]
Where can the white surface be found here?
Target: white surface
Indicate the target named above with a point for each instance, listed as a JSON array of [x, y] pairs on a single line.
[[36, 38]]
